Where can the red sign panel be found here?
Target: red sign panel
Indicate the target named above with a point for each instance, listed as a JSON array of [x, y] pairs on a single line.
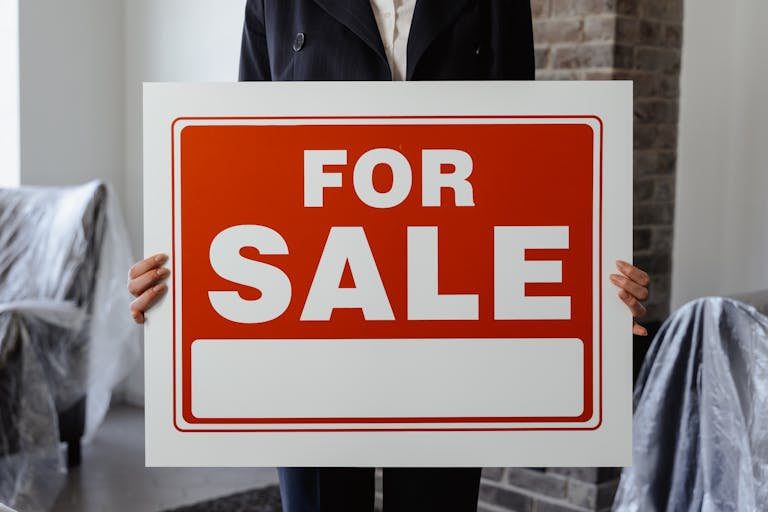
[[388, 205]]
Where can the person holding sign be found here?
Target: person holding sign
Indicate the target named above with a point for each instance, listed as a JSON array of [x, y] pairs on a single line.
[[379, 40]]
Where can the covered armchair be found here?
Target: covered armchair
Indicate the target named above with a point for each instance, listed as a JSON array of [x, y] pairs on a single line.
[[63, 341], [700, 429]]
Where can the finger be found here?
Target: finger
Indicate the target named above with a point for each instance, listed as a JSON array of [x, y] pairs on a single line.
[[146, 280], [138, 317], [632, 272], [634, 305], [146, 265], [146, 299], [625, 283], [639, 329]]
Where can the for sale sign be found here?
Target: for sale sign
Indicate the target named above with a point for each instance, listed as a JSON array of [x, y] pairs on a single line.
[[389, 274]]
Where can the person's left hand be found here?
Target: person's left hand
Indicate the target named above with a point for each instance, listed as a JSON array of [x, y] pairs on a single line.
[[633, 288]]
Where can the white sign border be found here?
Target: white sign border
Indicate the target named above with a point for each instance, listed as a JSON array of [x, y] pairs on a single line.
[[609, 444]]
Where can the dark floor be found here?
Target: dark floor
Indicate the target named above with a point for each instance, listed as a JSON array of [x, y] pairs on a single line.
[[112, 476]]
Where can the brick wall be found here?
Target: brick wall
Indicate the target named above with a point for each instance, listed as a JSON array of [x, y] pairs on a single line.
[[629, 40], [547, 490], [648, 39], [605, 40]]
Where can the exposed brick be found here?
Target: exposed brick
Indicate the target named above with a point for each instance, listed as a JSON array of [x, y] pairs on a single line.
[[645, 136], [599, 74], [583, 474], [666, 135], [624, 74], [544, 75], [667, 162], [646, 162], [673, 35], [655, 110], [651, 9], [658, 263], [655, 136], [559, 31], [650, 32], [582, 494], [623, 57], [563, 8], [662, 238], [669, 86], [655, 9], [551, 506], [509, 498], [651, 213], [626, 29], [560, 74], [643, 190], [671, 10], [665, 189], [666, 60], [549, 484], [599, 28], [674, 11], [494, 474], [540, 8], [646, 84], [656, 286], [628, 7], [641, 239], [541, 56], [584, 56]]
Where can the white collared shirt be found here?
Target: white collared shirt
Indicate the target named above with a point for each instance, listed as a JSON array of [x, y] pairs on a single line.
[[393, 18]]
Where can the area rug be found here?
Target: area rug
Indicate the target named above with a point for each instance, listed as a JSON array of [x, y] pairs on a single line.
[[266, 499]]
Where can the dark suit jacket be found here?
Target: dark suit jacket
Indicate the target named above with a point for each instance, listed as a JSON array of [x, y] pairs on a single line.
[[339, 40]]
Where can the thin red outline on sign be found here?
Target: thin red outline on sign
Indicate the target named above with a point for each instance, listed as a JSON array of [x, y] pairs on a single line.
[[380, 420]]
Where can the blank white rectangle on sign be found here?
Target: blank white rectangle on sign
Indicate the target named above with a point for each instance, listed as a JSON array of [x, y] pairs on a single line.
[[387, 378]]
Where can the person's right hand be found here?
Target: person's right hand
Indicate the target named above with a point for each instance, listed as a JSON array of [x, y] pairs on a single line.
[[144, 283]]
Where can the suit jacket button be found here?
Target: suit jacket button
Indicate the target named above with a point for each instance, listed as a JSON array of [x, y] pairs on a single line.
[[298, 43]]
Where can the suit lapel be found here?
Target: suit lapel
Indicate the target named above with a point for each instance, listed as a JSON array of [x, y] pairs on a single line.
[[357, 16], [430, 17]]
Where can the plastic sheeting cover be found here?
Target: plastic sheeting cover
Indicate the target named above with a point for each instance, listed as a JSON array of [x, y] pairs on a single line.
[[701, 414], [64, 330]]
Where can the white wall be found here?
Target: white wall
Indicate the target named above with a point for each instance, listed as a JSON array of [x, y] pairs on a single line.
[[9, 93], [82, 63], [170, 41], [721, 224], [71, 67]]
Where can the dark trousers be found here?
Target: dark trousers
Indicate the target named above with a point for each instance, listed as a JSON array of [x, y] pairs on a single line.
[[405, 489]]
